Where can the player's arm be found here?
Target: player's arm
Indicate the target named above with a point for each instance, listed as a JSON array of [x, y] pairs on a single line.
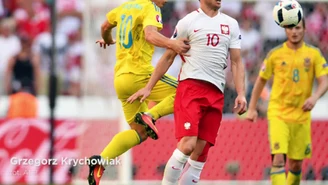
[[154, 37], [256, 93], [238, 73], [320, 91], [106, 32], [161, 68], [321, 72], [322, 86], [237, 67], [152, 23], [107, 27], [265, 74]]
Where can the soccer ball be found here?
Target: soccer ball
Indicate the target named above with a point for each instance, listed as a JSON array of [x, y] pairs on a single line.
[[287, 13]]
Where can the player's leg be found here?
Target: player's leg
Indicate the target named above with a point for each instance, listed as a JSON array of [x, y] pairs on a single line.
[[164, 94], [174, 167], [208, 129], [294, 175], [124, 140], [278, 137], [192, 170], [299, 149], [278, 172], [187, 114], [120, 143]]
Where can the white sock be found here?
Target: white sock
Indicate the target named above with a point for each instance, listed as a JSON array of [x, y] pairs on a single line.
[[174, 167], [192, 174]]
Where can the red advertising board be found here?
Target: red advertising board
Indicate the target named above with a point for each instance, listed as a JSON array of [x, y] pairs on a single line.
[[240, 143], [24, 151]]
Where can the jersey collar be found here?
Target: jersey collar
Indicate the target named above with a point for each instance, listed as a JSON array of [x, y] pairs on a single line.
[[202, 12], [285, 46]]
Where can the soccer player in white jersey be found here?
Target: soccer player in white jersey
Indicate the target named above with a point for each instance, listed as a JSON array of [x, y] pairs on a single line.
[[199, 98]]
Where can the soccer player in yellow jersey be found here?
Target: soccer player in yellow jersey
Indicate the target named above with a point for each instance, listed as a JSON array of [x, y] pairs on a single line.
[[294, 65], [137, 23]]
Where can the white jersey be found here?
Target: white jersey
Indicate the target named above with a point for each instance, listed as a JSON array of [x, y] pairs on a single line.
[[210, 39]]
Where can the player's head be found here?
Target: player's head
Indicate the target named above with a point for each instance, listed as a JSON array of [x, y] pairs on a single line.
[[211, 4], [295, 34], [159, 3]]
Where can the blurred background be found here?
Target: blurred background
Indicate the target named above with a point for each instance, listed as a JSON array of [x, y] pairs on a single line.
[[88, 114]]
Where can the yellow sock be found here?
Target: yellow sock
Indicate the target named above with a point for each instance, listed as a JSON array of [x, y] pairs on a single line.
[[120, 143], [163, 108], [294, 178], [278, 176]]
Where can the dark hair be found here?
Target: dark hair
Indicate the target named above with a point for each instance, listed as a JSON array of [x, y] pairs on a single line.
[[303, 23]]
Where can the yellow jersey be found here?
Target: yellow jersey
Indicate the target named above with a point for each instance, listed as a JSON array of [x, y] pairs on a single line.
[[133, 52], [293, 75]]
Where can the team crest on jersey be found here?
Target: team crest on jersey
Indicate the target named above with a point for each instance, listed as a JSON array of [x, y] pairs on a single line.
[[159, 19], [187, 125], [225, 29], [276, 146], [307, 64]]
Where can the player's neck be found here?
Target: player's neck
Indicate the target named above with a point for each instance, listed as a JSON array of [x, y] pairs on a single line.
[[294, 46], [208, 11]]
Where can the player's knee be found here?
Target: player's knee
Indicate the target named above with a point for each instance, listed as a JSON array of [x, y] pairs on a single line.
[[187, 149], [187, 145], [278, 164], [279, 160], [295, 165]]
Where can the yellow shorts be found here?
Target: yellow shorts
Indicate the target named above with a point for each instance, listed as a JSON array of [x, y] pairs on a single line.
[[127, 84], [293, 139]]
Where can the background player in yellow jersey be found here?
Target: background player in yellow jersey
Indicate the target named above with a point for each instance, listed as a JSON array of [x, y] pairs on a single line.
[[137, 24], [294, 66]]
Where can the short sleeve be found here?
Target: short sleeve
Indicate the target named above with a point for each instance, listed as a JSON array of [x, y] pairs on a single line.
[[112, 16], [321, 65], [181, 30], [153, 17], [266, 70], [235, 41]]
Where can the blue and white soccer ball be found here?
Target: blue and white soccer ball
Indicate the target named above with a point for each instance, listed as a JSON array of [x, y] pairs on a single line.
[[287, 13]]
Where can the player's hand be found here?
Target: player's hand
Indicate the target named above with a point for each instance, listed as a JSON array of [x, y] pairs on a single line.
[[251, 115], [240, 105], [181, 46], [309, 104], [143, 93], [103, 44]]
